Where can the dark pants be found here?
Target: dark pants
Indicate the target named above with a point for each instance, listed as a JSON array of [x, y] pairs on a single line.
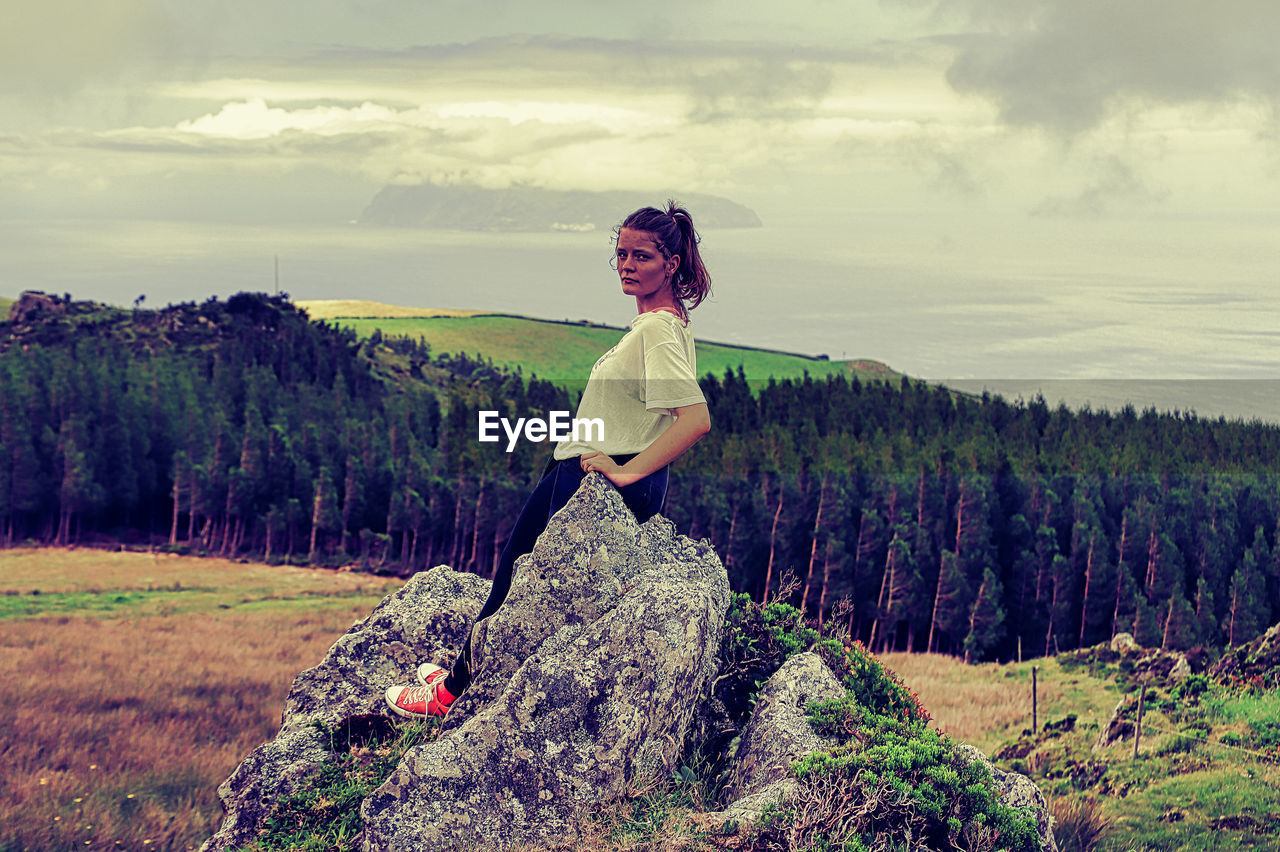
[[559, 482]]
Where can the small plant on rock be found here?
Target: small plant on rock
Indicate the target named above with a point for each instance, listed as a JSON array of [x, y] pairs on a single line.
[[892, 777], [891, 782], [759, 639], [326, 815]]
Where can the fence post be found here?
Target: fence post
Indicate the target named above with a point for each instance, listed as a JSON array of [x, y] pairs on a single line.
[[1035, 721], [1137, 733]]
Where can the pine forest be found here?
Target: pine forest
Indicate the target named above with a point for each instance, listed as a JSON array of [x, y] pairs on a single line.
[[925, 519]]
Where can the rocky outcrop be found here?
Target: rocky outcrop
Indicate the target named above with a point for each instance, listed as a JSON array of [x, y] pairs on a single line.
[[1149, 665], [425, 620], [1256, 663], [586, 680], [33, 305], [1117, 727]]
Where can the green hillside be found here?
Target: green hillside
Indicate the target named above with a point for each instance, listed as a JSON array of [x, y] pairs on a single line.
[[5, 304], [564, 352]]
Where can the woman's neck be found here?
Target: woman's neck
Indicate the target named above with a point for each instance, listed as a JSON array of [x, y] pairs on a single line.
[[671, 310]]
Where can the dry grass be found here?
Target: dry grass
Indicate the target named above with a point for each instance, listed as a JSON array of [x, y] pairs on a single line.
[[985, 705], [117, 730], [66, 570], [1079, 824], [360, 308]]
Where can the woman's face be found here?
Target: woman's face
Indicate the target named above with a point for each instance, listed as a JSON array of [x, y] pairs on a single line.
[[643, 270]]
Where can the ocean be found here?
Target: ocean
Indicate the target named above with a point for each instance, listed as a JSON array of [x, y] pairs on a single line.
[[1067, 310]]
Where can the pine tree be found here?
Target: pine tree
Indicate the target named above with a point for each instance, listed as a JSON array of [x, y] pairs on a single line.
[[1124, 615], [325, 516], [961, 571], [986, 619], [27, 488], [352, 499], [899, 587], [1206, 621], [1248, 608], [79, 492], [1181, 630], [275, 524], [870, 538], [1059, 605], [1148, 628], [1273, 577]]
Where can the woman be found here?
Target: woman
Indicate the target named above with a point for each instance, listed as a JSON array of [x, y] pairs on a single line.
[[644, 389]]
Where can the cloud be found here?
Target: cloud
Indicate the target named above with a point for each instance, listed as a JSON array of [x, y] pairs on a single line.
[[253, 119], [552, 111], [719, 76], [953, 166], [54, 47], [1068, 65], [1113, 181]]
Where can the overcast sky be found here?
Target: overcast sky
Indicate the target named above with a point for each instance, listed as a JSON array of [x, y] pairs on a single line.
[[1147, 128], [1051, 107]]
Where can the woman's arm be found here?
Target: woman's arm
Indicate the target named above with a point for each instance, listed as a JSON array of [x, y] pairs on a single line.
[[692, 422]]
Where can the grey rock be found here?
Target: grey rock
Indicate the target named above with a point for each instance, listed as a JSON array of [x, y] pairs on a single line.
[[1017, 791], [779, 732], [1181, 669], [585, 681], [1116, 727], [777, 735], [1123, 643], [1258, 658], [748, 809], [1158, 668], [426, 619]]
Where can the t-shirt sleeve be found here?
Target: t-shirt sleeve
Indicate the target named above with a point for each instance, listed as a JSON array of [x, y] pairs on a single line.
[[669, 381]]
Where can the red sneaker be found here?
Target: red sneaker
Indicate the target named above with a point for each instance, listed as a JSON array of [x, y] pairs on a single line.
[[419, 702], [428, 672]]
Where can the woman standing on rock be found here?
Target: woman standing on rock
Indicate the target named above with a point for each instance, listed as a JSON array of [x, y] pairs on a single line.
[[646, 392]]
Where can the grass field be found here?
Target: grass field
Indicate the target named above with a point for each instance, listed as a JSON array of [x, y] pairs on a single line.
[[5, 304], [564, 352], [133, 684], [325, 309], [1201, 781]]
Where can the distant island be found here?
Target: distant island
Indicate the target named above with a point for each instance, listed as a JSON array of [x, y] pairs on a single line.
[[471, 208]]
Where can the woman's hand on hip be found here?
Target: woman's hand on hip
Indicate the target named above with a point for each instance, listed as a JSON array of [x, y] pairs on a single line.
[[612, 471]]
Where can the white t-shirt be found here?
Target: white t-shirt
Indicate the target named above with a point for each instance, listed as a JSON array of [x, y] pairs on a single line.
[[634, 386]]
